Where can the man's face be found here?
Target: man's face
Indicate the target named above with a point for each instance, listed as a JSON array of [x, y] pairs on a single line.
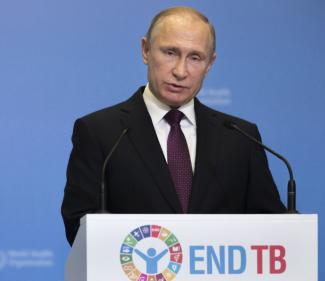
[[178, 56]]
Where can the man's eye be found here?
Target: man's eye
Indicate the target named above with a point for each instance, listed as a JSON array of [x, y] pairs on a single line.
[[195, 58], [170, 52]]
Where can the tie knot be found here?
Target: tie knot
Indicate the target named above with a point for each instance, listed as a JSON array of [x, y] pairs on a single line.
[[174, 116]]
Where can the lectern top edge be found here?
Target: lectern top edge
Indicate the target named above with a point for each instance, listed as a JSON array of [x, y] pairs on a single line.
[[200, 217]]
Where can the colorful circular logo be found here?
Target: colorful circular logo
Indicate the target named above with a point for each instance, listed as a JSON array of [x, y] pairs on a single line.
[[151, 253]]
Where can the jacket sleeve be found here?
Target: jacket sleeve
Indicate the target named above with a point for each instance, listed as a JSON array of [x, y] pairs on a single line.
[[262, 193], [81, 194]]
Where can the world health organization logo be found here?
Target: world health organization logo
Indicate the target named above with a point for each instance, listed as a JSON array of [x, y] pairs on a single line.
[[144, 254]]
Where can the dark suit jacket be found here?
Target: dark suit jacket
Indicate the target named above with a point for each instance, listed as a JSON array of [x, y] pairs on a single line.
[[231, 173]]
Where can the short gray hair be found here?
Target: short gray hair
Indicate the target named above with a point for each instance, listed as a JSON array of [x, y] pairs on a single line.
[[182, 10]]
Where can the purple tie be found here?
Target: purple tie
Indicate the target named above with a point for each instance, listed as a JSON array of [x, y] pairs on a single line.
[[179, 161]]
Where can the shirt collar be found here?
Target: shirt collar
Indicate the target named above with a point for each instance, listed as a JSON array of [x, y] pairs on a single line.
[[158, 110]]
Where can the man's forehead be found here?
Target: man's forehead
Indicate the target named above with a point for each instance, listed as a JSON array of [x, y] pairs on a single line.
[[178, 28]]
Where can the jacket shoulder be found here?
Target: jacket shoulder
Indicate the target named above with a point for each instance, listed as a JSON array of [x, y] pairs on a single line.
[[110, 115], [221, 117]]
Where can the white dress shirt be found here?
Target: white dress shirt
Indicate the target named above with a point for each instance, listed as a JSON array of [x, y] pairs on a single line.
[[157, 110]]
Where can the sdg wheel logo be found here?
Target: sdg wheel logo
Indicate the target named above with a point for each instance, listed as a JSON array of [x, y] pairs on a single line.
[[151, 253]]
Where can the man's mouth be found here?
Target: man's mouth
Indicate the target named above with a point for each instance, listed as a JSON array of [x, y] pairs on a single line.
[[175, 88]]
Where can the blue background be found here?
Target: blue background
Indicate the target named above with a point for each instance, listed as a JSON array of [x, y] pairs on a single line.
[[62, 59]]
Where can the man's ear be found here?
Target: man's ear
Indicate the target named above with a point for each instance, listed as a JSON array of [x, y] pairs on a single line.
[[212, 60], [145, 49]]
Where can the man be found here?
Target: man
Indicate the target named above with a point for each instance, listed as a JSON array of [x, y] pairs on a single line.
[[191, 165]]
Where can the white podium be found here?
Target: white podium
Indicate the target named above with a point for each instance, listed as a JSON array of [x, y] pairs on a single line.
[[194, 247]]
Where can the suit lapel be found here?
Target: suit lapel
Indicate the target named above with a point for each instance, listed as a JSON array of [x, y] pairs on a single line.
[[209, 143], [143, 136]]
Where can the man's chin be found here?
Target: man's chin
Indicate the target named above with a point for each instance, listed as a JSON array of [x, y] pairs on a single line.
[[173, 99], [175, 103]]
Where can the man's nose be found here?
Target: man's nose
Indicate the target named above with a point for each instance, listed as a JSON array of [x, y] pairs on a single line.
[[180, 69]]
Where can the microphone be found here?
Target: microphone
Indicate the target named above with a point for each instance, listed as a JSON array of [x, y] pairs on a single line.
[[291, 204], [103, 207]]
